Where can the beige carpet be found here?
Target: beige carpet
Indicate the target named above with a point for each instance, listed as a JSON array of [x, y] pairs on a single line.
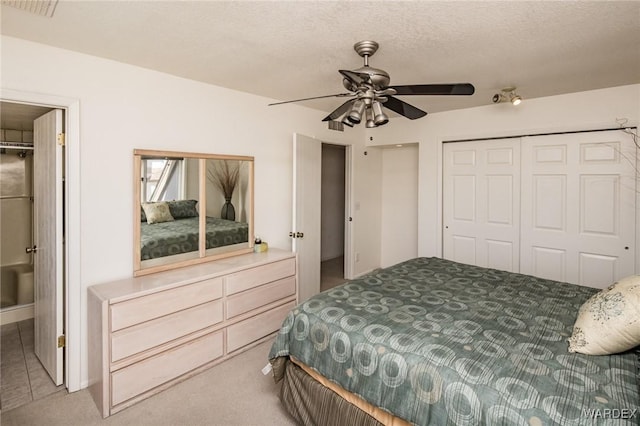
[[232, 393], [331, 273]]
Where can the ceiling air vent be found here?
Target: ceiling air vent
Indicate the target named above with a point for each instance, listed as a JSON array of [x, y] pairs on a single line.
[[336, 125], [39, 7]]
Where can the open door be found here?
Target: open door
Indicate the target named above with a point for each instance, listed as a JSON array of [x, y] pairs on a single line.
[[307, 176], [47, 244]]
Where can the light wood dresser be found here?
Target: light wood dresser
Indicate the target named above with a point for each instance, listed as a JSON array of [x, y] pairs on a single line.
[[150, 332]]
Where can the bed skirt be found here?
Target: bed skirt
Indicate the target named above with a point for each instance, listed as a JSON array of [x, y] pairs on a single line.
[[312, 400]]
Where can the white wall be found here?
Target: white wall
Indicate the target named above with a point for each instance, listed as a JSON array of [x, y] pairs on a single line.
[[399, 204], [123, 107], [597, 109], [366, 211]]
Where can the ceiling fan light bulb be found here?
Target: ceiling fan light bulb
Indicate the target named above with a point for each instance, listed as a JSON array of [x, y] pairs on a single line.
[[516, 100], [370, 124]]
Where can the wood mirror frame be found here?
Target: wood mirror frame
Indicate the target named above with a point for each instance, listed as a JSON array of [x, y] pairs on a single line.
[[177, 231]]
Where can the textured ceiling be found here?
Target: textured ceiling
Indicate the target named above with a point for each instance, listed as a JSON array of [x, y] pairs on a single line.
[[291, 50]]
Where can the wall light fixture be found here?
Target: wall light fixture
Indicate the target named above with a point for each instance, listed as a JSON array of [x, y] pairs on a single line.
[[507, 94]]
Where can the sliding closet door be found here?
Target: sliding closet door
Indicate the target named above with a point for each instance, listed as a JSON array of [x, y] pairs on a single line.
[[578, 207], [481, 203]]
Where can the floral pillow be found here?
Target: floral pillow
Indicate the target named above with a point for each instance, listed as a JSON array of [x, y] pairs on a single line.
[[157, 212], [609, 322]]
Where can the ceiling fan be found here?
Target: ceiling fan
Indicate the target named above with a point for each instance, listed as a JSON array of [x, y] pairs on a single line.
[[369, 91]]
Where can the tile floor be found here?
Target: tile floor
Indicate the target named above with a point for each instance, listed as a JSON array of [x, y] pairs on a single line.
[[22, 377]]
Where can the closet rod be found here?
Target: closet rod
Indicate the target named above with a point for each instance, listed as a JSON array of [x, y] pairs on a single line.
[[16, 197], [541, 134], [16, 145]]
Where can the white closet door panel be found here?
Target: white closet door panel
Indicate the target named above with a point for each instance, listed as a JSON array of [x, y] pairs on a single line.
[[600, 204], [481, 203], [500, 255], [549, 202], [595, 269], [463, 249], [464, 198], [500, 199], [547, 262], [578, 207]]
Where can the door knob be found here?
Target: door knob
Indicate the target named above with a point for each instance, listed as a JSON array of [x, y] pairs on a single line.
[[31, 249]]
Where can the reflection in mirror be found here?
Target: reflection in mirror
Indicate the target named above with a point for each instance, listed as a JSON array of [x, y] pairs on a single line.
[[227, 195], [169, 222], [191, 208]]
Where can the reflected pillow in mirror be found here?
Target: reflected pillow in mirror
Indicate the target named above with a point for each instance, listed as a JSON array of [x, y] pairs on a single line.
[[181, 209], [609, 322], [143, 217], [157, 212]]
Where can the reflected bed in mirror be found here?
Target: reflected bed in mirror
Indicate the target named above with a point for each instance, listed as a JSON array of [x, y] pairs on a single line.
[[190, 208]]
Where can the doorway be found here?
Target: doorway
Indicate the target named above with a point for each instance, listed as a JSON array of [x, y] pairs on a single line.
[[307, 232], [332, 216], [21, 165]]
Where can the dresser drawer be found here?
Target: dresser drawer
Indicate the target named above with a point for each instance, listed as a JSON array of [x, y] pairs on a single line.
[[260, 296], [252, 329], [244, 280], [152, 333], [148, 307], [145, 375]]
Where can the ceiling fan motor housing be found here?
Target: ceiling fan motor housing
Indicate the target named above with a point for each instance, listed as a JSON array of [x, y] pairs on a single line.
[[378, 78]]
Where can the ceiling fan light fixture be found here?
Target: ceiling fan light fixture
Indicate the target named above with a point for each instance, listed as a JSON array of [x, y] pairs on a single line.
[[515, 99], [355, 115], [345, 121], [379, 117], [370, 124]]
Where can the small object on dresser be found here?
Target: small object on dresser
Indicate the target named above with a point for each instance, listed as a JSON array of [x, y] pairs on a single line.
[[259, 246]]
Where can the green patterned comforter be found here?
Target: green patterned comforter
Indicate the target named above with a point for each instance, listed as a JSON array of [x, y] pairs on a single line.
[[441, 343], [181, 236]]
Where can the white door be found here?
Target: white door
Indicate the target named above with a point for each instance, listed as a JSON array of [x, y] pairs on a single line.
[[47, 258], [481, 199], [307, 177], [578, 207]]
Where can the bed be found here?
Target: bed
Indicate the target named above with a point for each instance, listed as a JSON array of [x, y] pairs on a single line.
[[182, 235], [431, 341]]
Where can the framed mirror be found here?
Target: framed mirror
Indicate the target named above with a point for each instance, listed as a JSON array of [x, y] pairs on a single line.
[[190, 208]]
